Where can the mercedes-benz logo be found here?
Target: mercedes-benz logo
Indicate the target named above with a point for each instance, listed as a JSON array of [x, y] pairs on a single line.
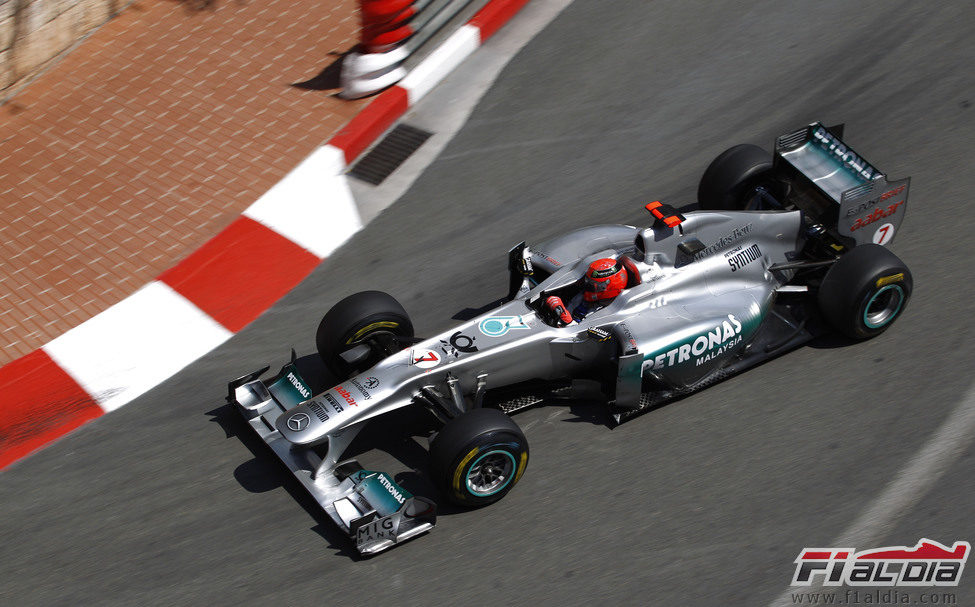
[[298, 422], [371, 382]]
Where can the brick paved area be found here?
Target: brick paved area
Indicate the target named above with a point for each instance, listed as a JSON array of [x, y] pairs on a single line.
[[147, 140]]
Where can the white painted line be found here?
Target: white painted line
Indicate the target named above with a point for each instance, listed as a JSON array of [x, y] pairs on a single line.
[[312, 206], [136, 344], [909, 487], [441, 62]]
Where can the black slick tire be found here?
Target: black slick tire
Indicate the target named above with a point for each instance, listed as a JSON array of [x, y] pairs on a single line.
[[730, 178], [865, 291], [373, 318], [478, 457]]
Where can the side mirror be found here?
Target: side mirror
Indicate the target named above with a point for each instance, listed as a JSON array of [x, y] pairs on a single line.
[[692, 246], [356, 355]]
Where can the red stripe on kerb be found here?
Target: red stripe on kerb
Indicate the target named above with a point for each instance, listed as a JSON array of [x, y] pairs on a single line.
[[382, 10], [816, 555], [240, 272], [924, 550], [490, 18], [39, 402], [370, 123]]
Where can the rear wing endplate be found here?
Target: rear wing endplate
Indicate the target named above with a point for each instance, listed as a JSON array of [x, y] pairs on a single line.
[[874, 211]]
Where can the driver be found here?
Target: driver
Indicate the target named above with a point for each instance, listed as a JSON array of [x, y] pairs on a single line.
[[605, 279]]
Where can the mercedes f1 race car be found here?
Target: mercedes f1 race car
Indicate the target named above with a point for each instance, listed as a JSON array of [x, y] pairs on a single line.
[[784, 247]]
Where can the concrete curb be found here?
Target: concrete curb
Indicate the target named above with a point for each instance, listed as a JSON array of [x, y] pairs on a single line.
[[111, 359]]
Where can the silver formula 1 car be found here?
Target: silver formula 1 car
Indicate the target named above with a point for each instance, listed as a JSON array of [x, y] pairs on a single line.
[[785, 247]]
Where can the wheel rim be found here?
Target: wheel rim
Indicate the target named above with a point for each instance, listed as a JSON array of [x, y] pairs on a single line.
[[883, 306], [490, 473]]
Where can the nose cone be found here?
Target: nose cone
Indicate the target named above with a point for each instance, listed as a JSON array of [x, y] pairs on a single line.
[[307, 423], [313, 420]]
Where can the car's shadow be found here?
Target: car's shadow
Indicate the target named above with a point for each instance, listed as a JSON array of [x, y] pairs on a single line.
[[830, 340], [263, 473]]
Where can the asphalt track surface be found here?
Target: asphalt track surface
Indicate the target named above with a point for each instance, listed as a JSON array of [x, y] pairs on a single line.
[[704, 501]]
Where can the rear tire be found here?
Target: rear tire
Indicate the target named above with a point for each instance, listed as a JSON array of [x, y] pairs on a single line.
[[373, 318], [478, 457], [729, 180], [865, 291]]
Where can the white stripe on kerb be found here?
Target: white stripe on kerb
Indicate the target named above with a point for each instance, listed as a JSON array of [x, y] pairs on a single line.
[[441, 62], [134, 345], [312, 206]]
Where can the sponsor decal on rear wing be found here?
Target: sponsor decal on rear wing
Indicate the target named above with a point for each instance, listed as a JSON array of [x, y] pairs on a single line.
[[873, 212], [827, 141]]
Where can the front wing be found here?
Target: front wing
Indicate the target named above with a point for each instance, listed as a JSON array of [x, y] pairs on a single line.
[[369, 506]]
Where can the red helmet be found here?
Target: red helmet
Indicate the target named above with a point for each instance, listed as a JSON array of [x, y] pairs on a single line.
[[605, 279]]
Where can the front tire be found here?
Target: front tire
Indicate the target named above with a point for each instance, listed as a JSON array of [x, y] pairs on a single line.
[[373, 318], [865, 291], [731, 178], [478, 457]]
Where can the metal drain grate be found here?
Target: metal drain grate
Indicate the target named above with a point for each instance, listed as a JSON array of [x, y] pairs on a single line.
[[389, 153]]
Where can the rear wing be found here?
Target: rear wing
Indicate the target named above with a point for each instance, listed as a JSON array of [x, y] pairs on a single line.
[[838, 187]]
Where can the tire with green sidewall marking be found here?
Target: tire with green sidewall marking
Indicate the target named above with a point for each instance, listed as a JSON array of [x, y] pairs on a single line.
[[374, 318], [478, 457], [865, 291]]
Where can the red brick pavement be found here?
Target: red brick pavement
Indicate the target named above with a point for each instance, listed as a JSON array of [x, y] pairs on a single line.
[[146, 141]]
